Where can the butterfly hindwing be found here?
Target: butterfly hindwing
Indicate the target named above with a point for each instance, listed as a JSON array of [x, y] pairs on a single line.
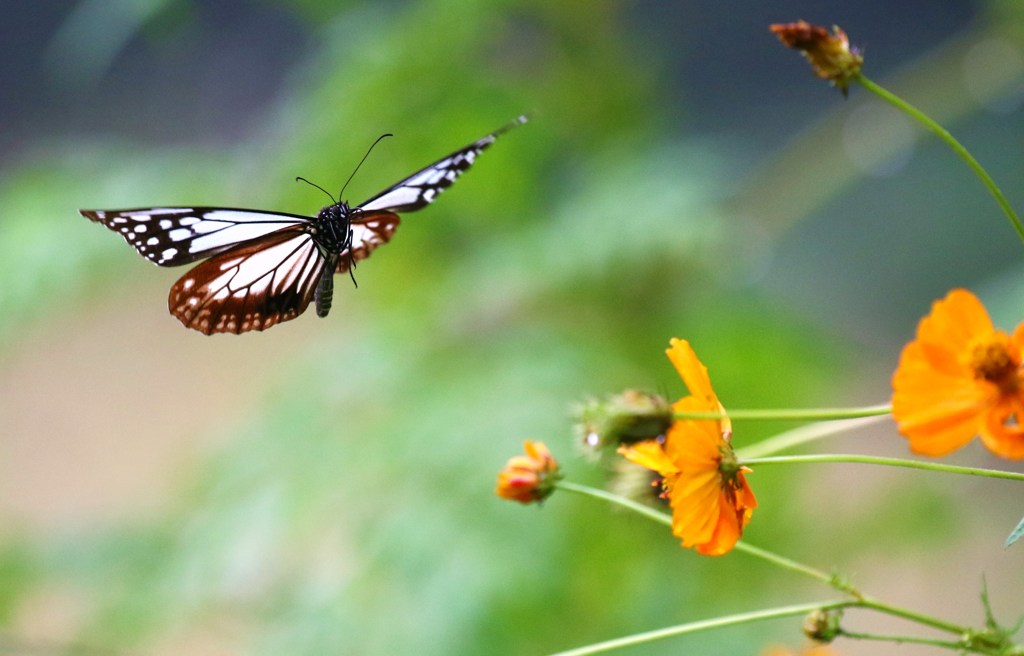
[[421, 188], [251, 286], [171, 236], [369, 230]]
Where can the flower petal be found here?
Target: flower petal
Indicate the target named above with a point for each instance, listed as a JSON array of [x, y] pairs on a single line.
[[1002, 433], [938, 413], [955, 321], [726, 534], [693, 372], [651, 455], [695, 508]]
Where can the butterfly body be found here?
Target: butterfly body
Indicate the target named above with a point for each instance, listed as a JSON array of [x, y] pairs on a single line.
[[332, 229], [260, 268], [332, 234]]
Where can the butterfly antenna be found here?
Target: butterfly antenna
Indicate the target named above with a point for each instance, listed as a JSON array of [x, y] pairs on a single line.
[[381, 137], [313, 184]]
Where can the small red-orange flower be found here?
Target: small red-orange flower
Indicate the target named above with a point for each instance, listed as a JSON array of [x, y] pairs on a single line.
[[530, 478], [706, 487], [830, 55], [959, 378]]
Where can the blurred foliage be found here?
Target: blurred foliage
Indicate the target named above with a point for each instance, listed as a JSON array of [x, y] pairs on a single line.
[[348, 508]]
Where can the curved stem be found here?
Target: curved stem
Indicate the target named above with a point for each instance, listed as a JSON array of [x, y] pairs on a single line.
[[813, 414], [859, 599], [663, 518], [795, 566], [887, 462], [646, 511], [913, 616], [803, 435], [950, 141], [898, 639], [693, 627]]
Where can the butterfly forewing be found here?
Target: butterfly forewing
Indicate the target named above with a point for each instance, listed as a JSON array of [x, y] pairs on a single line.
[[421, 188], [170, 236], [250, 287]]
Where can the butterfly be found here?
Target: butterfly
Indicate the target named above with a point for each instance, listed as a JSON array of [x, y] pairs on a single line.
[[262, 268]]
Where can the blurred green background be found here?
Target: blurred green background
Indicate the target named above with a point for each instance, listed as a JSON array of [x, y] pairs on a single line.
[[326, 487]]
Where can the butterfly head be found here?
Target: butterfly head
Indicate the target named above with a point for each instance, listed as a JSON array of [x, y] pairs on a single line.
[[335, 212], [332, 229]]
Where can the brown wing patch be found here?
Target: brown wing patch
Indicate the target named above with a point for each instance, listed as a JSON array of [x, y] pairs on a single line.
[[369, 231], [250, 287]]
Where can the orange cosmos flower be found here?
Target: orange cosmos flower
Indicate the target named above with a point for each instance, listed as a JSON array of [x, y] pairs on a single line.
[[830, 55], [959, 378], [705, 486], [530, 478]]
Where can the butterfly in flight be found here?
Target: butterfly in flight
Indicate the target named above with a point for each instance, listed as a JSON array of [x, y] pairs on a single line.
[[262, 268]]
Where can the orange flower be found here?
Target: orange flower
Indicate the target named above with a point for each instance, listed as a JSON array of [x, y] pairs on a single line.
[[830, 55], [706, 487], [959, 378], [530, 478]]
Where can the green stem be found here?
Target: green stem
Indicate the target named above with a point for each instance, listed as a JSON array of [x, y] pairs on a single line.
[[666, 519], [887, 462], [813, 414], [794, 566], [862, 600], [913, 616], [832, 580], [703, 625], [950, 141], [946, 644], [803, 435], [615, 499]]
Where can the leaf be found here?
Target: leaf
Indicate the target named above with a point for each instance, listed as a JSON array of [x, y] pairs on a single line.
[[1016, 534]]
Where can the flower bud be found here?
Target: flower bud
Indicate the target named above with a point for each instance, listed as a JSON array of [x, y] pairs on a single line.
[[632, 416], [823, 625], [530, 478], [830, 55]]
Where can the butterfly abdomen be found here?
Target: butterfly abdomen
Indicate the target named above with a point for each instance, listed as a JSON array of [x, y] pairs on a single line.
[[324, 294]]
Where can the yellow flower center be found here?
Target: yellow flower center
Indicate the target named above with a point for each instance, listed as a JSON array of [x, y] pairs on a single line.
[[992, 361]]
